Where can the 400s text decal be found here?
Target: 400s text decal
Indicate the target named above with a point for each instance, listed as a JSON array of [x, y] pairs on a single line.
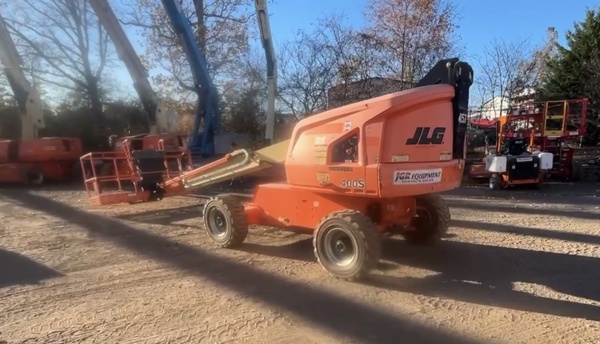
[[353, 183]]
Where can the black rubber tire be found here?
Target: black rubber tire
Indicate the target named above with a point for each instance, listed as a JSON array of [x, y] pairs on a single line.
[[495, 182], [432, 221], [229, 211], [361, 232], [540, 184], [33, 177]]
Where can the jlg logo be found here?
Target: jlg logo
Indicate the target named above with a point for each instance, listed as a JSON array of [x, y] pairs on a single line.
[[422, 136]]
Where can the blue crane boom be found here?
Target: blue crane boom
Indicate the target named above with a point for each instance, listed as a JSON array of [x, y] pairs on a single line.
[[208, 97]]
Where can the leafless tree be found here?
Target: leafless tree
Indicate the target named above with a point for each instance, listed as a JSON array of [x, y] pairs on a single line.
[[313, 62], [412, 34], [71, 46], [533, 71], [502, 67], [221, 28]]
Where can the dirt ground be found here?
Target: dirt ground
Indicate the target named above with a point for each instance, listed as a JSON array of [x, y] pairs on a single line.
[[518, 266]]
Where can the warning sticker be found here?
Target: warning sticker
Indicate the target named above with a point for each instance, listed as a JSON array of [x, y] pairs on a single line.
[[347, 126], [418, 177]]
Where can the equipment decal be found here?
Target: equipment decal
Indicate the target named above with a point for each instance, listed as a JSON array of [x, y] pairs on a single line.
[[427, 136], [526, 159], [418, 177], [353, 183]]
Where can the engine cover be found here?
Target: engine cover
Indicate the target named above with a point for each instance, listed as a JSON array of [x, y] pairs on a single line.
[[495, 163], [523, 167]]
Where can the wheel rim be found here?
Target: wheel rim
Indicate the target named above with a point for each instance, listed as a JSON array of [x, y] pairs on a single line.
[[217, 222], [423, 218], [339, 246]]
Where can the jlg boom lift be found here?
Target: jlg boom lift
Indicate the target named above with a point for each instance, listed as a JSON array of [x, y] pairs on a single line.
[[31, 160], [352, 174]]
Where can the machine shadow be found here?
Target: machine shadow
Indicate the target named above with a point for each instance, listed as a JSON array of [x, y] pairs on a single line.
[[485, 275], [540, 233], [477, 274], [17, 269], [300, 250], [48, 186], [168, 216], [552, 193], [490, 207], [323, 309]]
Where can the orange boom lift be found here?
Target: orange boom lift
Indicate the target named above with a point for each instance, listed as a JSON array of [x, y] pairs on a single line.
[[352, 174], [31, 160]]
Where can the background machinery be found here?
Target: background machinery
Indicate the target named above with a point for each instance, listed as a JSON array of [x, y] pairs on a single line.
[[162, 121], [517, 160], [564, 129], [160, 118], [210, 141], [555, 127], [352, 174], [208, 113], [262, 17], [31, 160]]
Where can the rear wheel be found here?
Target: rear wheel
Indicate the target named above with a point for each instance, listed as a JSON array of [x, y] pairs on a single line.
[[431, 221], [347, 244], [225, 221]]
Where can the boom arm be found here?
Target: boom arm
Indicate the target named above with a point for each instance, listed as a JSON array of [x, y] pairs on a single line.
[[208, 97], [267, 43], [158, 116], [28, 98]]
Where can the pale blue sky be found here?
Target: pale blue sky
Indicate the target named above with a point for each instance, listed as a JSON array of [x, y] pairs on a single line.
[[481, 21]]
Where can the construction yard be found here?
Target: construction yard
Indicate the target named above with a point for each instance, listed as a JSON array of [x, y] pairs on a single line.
[[518, 266]]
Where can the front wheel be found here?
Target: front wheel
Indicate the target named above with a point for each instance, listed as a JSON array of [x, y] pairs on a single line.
[[225, 221], [347, 244], [495, 182], [431, 221], [33, 177]]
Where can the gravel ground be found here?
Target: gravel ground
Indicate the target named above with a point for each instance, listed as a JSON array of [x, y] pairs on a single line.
[[518, 266]]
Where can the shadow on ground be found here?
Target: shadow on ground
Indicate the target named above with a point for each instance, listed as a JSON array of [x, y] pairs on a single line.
[[18, 269], [525, 231], [323, 309], [552, 193], [485, 275], [168, 216], [524, 209], [478, 274]]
